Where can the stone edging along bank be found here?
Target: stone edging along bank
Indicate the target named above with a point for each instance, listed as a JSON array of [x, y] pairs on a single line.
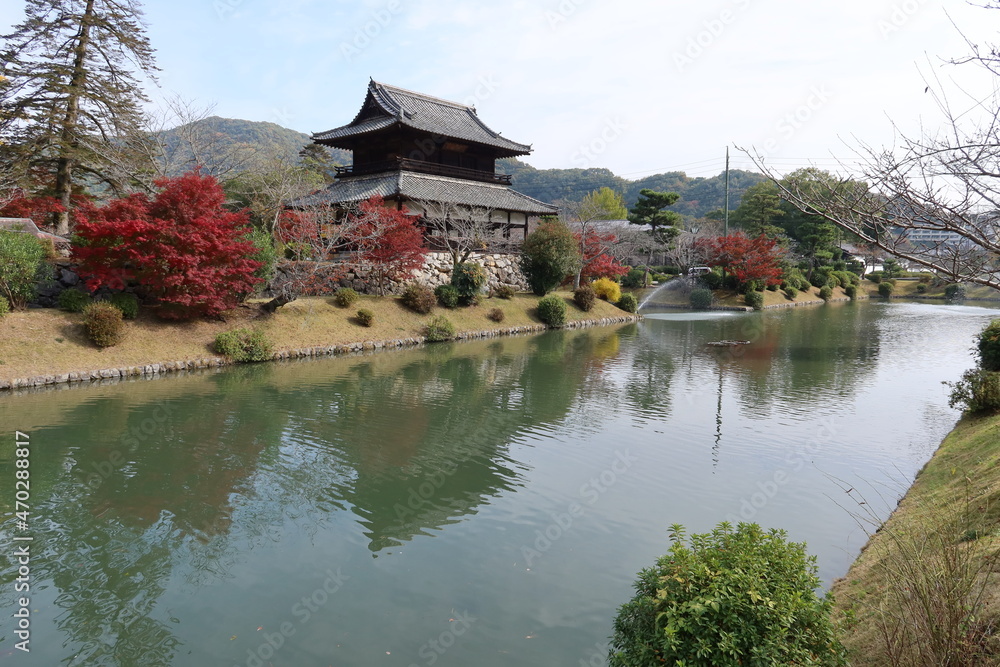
[[153, 370]]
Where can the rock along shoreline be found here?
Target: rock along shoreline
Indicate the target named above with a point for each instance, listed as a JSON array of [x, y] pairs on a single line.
[[153, 370]]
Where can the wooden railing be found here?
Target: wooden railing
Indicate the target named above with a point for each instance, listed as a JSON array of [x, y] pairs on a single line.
[[424, 167]]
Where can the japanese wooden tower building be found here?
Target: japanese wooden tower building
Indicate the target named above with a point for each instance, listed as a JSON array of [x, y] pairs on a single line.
[[429, 157]]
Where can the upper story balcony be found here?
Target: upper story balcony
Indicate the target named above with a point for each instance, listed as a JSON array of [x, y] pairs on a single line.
[[423, 167]]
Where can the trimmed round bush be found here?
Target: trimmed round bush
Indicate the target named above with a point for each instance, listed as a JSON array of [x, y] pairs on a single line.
[[875, 277], [439, 329], [711, 280], [825, 292], [988, 346], [4, 306], [635, 278], [345, 297], [468, 278], [418, 298], [851, 291], [496, 315], [74, 300], [584, 297], [607, 289], [755, 300], [954, 292], [791, 292], [921, 288], [552, 310], [505, 292], [629, 303], [243, 345], [365, 317], [773, 287], [104, 324], [885, 289], [447, 295], [127, 303], [729, 597], [701, 298]]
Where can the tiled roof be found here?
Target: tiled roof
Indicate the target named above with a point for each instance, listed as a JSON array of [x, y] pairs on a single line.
[[387, 105], [426, 187]]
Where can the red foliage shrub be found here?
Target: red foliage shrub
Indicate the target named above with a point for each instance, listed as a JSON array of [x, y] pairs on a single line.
[[189, 253], [597, 263], [387, 239], [748, 259], [39, 209]]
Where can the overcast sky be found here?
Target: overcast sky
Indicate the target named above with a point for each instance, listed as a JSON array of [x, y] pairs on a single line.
[[639, 86]]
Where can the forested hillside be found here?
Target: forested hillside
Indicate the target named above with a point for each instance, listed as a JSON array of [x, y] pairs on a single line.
[[699, 195], [221, 145]]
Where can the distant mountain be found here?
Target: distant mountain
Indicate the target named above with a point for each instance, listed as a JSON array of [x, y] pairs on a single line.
[[225, 146]]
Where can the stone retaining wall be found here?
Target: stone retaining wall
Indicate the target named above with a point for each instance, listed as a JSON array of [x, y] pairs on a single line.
[[154, 370], [501, 269]]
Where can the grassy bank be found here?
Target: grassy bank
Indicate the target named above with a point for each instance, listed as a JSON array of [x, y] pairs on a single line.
[[924, 589], [730, 298], [906, 288], [49, 342]]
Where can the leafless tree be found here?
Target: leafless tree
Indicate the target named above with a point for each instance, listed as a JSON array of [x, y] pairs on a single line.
[[934, 200], [179, 137], [465, 230]]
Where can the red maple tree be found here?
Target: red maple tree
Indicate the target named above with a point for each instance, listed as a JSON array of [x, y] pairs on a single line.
[[597, 262], [39, 209], [747, 259], [386, 239], [182, 247]]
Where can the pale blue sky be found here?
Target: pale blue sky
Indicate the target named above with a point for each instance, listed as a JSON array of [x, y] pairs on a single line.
[[637, 86]]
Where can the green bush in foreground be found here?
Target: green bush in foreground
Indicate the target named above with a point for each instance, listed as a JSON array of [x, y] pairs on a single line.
[[755, 300], [825, 292], [21, 265], [468, 278], [552, 310], [74, 300], [548, 255], [791, 292], [243, 345], [629, 303], [977, 392], [4, 306], [851, 291], [732, 597], [439, 329], [989, 347], [104, 324], [447, 295], [345, 297], [701, 298], [365, 317], [885, 289], [711, 280], [127, 303]]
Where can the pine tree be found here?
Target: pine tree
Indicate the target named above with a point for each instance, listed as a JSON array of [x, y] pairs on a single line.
[[72, 103]]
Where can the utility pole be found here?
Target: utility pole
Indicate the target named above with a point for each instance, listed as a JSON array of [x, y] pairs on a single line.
[[727, 193]]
